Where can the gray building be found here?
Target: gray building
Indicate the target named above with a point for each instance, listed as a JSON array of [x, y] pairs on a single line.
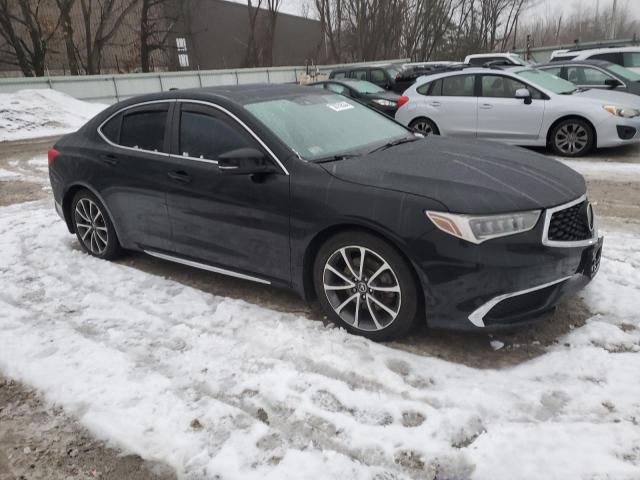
[[213, 34]]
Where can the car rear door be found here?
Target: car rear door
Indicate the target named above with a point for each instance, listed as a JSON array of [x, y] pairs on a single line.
[[237, 222], [452, 104], [132, 179], [502, 116]]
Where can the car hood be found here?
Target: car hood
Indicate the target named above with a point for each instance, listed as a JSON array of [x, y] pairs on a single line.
[[620, 99], [467, 176]]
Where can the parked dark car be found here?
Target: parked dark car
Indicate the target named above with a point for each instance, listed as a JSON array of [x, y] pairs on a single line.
[[300, 188], [595, 74], [365, 92], [383, 75]]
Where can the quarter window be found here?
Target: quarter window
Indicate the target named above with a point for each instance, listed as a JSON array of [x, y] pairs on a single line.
[[111, 129], [144, 129], [378, 77], [458, 86], [207, 137]]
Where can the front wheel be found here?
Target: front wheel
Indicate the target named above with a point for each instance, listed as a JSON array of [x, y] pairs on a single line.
[[364, 285], [93, 227], [572, 137], [424, 126]]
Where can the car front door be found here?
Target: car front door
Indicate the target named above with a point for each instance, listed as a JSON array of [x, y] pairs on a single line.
[[237, 222], [502, 116], [133, 179], [452, 104]]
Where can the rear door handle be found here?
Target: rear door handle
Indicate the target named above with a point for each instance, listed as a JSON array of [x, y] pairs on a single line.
[[180, 177], [109, 159], [435, 104]]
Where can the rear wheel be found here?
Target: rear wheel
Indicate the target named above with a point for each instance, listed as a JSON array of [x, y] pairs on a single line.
[[92, 225], [364, 285], [572, 137], [424, 126]]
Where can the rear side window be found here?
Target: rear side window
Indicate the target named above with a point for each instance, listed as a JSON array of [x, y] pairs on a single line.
[[377, 76], [144, 130], [206, 136], [359, 74], [111, 129], [631, 59], [609, 57], [458, 86]]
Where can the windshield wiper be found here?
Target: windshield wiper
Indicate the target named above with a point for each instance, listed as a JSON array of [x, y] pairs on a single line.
[[395, 143], [336, 158]]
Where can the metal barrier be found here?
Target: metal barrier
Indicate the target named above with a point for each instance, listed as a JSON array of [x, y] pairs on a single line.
[[113, 88]]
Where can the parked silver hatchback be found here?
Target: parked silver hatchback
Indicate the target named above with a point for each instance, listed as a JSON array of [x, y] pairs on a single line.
[[521, 106]]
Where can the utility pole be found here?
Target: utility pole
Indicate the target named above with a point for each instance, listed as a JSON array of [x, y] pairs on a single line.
[[613, 19]]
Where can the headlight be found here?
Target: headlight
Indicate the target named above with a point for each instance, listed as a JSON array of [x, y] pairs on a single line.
[[384, 103], [477, 229], [621, 111]]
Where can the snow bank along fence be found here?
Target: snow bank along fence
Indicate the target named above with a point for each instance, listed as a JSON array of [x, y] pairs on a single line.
[[113, 88]]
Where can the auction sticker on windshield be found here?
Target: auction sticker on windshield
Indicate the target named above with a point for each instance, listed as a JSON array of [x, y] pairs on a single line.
[[340, 106]]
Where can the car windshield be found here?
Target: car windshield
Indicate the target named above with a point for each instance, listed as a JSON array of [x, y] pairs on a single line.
[[367, 87], [320, 127], [624, 72], [548, 81]]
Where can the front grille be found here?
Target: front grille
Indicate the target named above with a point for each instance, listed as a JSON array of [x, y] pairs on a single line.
[[570, 224]]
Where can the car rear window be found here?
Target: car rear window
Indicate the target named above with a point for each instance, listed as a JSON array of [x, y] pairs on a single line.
[[144, 130]]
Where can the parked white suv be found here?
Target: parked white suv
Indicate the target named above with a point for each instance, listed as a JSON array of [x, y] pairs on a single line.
[[480, 59], [521, 106], [628, 57]]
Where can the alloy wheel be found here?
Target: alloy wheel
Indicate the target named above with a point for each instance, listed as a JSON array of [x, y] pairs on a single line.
[[572, 138], [362, 288], [91, 226], [423, 127]]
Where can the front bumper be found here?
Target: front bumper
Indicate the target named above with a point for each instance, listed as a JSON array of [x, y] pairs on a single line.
[[618, 131], [503, 282]]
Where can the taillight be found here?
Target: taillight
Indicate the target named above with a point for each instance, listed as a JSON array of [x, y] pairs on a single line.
[[402, 100], [52, 154]]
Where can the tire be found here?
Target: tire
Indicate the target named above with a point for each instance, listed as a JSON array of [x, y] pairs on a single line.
[[382, 302], [93, 227], [572, 137], [424, 126]]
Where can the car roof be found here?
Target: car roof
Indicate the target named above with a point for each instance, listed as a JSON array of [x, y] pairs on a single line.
[[591, 51], [595, 63], [240, 94], [495, 54]]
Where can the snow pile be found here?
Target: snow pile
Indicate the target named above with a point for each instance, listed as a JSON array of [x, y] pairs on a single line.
[[617, 171], [33, 169], [40, 113], [220, 388]]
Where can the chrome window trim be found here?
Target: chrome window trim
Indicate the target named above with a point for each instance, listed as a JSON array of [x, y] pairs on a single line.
[[477, 316], [202, 266], [555, 243], [171, 155], [244, 125], [124, 109]]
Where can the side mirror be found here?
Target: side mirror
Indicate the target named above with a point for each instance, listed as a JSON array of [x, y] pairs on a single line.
[[612, 83], [244, 161], [524, 94]]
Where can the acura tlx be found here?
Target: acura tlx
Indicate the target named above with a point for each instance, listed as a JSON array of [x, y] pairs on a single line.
[[304, 189]]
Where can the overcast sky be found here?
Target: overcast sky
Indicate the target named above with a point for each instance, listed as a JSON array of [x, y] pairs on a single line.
[[542, 7]]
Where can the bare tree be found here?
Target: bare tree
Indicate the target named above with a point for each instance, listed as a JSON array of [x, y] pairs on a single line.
[[273, 9], [107, 17], [27, 34], [251, 58], [65, 7], [156, 24]]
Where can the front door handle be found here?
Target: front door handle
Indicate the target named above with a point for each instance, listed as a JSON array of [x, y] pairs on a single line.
[[486, 106], [109, 159], [180, 177]]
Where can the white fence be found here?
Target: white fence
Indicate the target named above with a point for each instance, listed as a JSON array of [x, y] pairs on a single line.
[[113, 88]]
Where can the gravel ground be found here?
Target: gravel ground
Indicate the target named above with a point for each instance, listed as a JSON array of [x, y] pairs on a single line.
[[37, 441]]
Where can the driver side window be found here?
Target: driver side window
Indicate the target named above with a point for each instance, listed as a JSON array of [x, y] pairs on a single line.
[[207, 136], [498, 86]]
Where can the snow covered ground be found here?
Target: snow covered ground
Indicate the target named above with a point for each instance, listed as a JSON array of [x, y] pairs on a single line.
[[215, 386], [40, 113]]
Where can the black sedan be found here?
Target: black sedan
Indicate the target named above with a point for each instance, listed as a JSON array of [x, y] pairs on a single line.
[[595, 74], [305, 189], [365, 92]]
